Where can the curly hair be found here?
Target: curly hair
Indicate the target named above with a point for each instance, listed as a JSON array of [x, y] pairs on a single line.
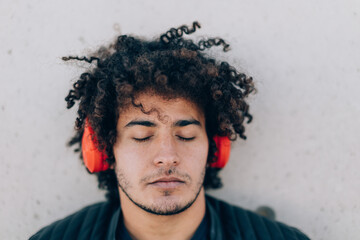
[[171, 67]]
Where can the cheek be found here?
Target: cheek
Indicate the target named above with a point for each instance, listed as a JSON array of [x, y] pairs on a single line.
[[129, 161], [195, 156]]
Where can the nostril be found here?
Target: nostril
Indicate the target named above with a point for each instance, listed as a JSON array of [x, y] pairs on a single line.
[[166, 157]]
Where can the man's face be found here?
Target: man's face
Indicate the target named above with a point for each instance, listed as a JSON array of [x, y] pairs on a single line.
[[161, 156]]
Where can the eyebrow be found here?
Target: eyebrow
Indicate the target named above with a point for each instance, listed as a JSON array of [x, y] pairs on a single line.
[[183, 123], [180, 123], [141, 123]]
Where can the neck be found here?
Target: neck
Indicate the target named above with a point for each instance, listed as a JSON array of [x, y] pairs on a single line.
[[143, 225]]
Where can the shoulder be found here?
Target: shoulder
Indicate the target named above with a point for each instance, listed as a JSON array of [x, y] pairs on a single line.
[[88, 223], [239, 223]]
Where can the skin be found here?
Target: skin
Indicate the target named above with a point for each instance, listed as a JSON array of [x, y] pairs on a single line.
[[160, 166]]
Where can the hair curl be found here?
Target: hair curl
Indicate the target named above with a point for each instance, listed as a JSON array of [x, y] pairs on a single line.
[[172, 67]]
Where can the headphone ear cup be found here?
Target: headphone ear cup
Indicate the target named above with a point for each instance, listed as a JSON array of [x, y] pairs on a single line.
[[223, 145], [94, 160]]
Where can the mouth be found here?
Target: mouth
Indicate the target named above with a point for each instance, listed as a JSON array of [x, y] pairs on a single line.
[[168, 183]]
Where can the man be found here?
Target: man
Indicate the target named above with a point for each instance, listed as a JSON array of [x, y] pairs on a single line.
[[154, 123]]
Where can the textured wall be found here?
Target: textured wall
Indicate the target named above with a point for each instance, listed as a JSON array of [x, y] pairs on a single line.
[[302, 153]]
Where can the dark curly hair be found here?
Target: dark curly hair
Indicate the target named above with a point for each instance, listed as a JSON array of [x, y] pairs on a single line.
[[171, 67]]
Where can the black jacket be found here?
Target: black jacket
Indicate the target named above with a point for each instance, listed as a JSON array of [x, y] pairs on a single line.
[[227, 222]]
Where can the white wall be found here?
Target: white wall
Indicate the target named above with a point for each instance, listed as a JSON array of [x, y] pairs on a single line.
[[302, 153]]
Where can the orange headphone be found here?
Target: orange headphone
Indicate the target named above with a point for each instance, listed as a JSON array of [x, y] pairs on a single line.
[[95, 160]]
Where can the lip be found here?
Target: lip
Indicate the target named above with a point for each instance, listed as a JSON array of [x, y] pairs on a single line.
[[167, 182]]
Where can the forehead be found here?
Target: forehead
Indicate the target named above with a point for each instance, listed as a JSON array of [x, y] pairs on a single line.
[[158, 108]]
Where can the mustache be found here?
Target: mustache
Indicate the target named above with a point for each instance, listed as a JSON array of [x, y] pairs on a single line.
[[167, 172]]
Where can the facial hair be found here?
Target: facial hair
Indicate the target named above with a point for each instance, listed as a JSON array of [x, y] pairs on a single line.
[[171, 209]]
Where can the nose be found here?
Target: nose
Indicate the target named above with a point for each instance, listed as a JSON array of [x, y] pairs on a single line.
[[167, 154]]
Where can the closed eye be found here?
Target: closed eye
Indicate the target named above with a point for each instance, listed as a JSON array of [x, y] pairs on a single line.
[[185, 139], [142, 139]]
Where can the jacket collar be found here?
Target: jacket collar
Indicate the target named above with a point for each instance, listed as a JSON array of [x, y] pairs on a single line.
[[215, 224], [111, 233]]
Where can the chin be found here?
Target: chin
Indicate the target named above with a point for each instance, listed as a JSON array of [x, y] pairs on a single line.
[[169, 205]]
